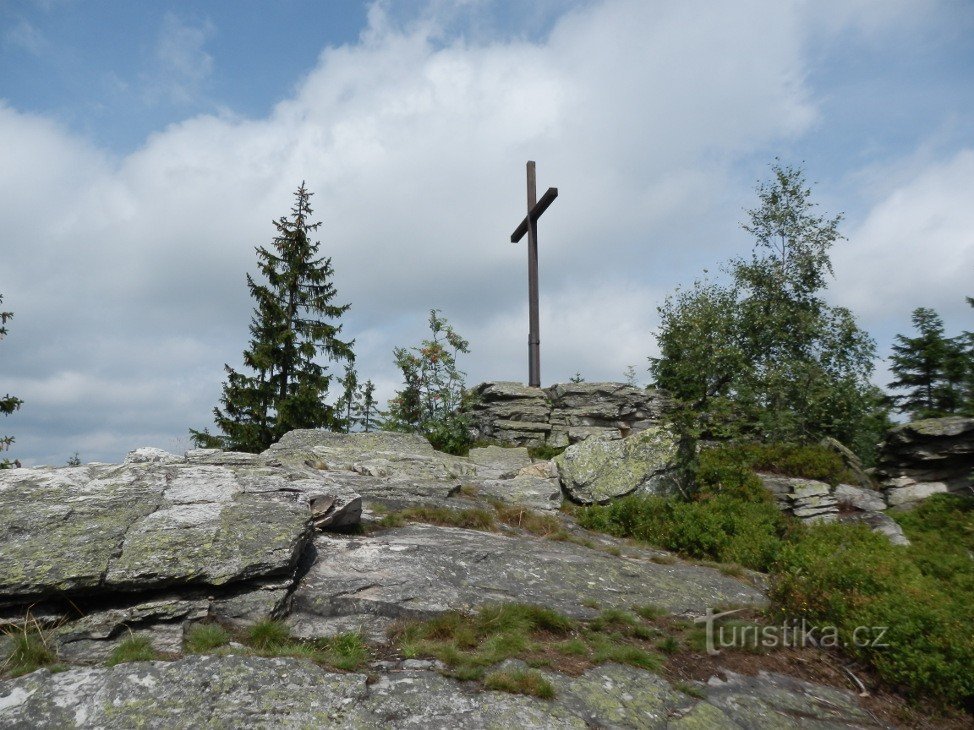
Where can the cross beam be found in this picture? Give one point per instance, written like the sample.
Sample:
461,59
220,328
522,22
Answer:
530,226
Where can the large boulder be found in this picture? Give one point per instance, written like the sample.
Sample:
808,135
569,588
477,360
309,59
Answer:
147,525
926,457
511,413
598,470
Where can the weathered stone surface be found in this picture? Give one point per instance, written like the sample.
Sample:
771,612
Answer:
776,701
496,462
904,496
423,570
255,692
852,462
869,500
144,525
934,450
526,491
597,470
878,522
564,413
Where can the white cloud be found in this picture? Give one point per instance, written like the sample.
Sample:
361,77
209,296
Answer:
183,64
127,275
915,248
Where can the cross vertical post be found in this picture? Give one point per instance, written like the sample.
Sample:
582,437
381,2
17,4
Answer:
530,226
534,324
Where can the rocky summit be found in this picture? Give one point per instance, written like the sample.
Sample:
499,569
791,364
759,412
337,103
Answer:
354,535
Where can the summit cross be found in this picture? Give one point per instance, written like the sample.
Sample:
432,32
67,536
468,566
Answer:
530,226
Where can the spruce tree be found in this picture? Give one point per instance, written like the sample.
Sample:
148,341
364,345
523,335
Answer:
920,365
366,407
8,403
293,324
346,405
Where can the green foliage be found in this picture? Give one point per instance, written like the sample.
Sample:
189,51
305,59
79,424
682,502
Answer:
766,358
544,452
433,400
366,409
721,528
30,651
292,325
345,408
203,638
132,649
267,635
577,378
472,519
520,681
849,577
74,459
935,371
730,469
8,403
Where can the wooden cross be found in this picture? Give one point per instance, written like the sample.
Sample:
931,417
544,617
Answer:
530,226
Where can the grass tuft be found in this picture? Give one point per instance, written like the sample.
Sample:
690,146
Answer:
30,652
523,682
132,649
205,637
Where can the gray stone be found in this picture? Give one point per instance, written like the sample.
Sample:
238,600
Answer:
868,500
933,450
596,471
144,525
901,496
771,700
525,491
255,692
497,462
878,522
424,570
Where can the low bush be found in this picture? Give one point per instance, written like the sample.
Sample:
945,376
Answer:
848,577
721,528
730,469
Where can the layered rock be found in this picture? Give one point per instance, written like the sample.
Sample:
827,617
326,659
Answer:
927,457
813,501
563,414
599,470
238,691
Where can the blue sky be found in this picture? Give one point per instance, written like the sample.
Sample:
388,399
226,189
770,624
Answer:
147,146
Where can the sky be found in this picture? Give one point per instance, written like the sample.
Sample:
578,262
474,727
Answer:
146,148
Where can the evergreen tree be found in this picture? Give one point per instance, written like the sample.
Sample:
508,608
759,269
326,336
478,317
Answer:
766,357
433,398
367,411
8,403
293,324
934,370
346,406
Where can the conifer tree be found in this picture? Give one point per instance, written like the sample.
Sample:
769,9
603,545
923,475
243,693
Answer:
368,413
294,323
934,370
8,403
346,405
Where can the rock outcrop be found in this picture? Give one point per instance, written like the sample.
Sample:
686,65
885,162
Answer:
598,470
927,457
813,501
94,554
563,414
232,691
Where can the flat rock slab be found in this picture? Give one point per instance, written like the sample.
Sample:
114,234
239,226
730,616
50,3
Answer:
425,570
253,692
146,525
498,462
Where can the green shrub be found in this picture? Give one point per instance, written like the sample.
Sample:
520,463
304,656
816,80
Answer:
731,462
941,530
132,649
721,528
544,452
848,577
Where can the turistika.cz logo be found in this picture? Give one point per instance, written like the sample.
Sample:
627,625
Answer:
792,633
